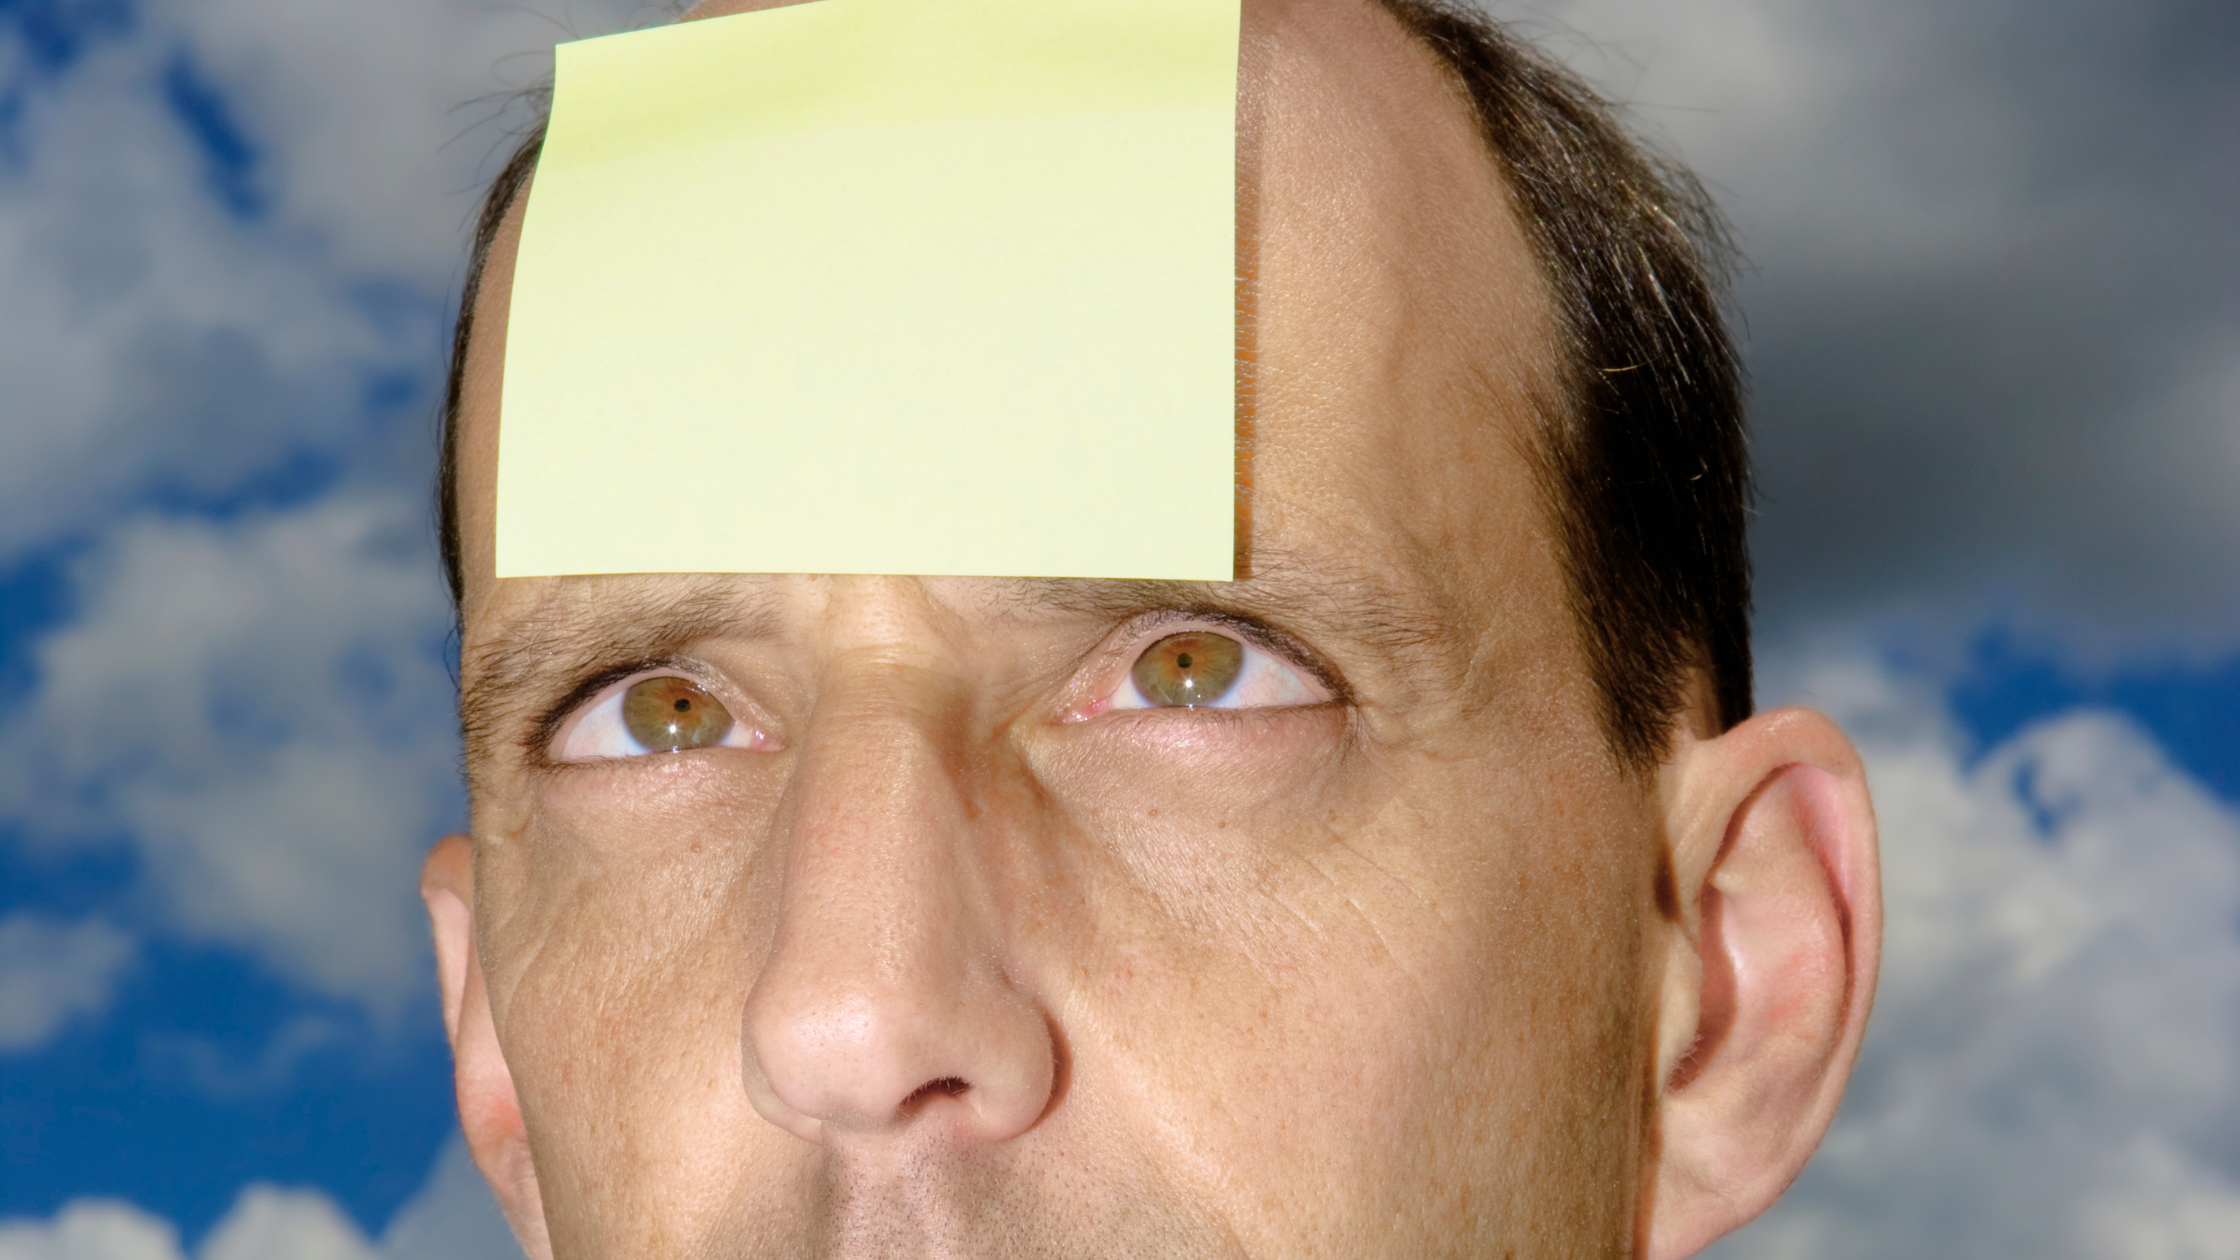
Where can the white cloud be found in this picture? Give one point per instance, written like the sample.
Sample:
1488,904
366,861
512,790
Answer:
156,339
262,708
91,1229
51,971
268,1223
2053,1069
150,338
377,115
451,1218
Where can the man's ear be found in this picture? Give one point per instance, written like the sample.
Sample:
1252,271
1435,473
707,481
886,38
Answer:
489,1109
1775,932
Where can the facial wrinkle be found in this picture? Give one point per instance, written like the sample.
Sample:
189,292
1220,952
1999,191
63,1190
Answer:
1368,916
579,626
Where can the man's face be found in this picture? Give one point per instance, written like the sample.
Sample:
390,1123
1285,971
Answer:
945,948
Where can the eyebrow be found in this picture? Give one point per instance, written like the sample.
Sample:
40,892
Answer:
592,631
1287,588
575,634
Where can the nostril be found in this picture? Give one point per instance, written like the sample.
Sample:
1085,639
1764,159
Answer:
947,1086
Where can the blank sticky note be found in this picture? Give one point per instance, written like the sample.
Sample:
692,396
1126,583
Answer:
882,286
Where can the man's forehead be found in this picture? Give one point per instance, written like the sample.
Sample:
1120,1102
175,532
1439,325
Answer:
1384,240
654,612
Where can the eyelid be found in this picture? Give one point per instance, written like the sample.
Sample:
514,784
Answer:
559,724
544,736
1148,629
1107,676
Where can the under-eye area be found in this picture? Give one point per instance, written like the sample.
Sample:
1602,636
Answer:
653,713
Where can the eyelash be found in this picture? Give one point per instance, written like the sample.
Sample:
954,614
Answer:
595,694
1263,649
600,719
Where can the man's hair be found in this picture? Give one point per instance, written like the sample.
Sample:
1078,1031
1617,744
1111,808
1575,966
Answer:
1644,467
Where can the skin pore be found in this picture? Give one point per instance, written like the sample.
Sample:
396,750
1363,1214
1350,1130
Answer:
959,938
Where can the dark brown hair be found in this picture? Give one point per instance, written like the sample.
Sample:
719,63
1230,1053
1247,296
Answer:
1644,466
512,178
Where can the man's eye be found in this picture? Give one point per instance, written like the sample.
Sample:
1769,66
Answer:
659,714
1208,669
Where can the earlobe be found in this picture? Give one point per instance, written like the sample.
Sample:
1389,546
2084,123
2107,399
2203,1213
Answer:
489,1108
1769,974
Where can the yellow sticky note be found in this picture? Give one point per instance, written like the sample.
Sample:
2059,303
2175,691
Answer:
882,286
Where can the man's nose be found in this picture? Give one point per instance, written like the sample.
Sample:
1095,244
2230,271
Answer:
885,1001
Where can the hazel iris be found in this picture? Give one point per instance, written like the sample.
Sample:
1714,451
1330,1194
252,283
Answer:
670,715
1191,668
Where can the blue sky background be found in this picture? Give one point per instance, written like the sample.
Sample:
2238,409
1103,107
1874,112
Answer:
1993,310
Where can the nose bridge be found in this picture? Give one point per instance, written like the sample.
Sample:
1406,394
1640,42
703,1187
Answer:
875,824
882,726
884,999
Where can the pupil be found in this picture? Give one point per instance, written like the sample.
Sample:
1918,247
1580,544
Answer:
684,706
1182,661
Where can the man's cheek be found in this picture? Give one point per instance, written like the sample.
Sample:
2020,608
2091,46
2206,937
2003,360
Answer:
1256,941
1251,1027
621,1018
615,923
